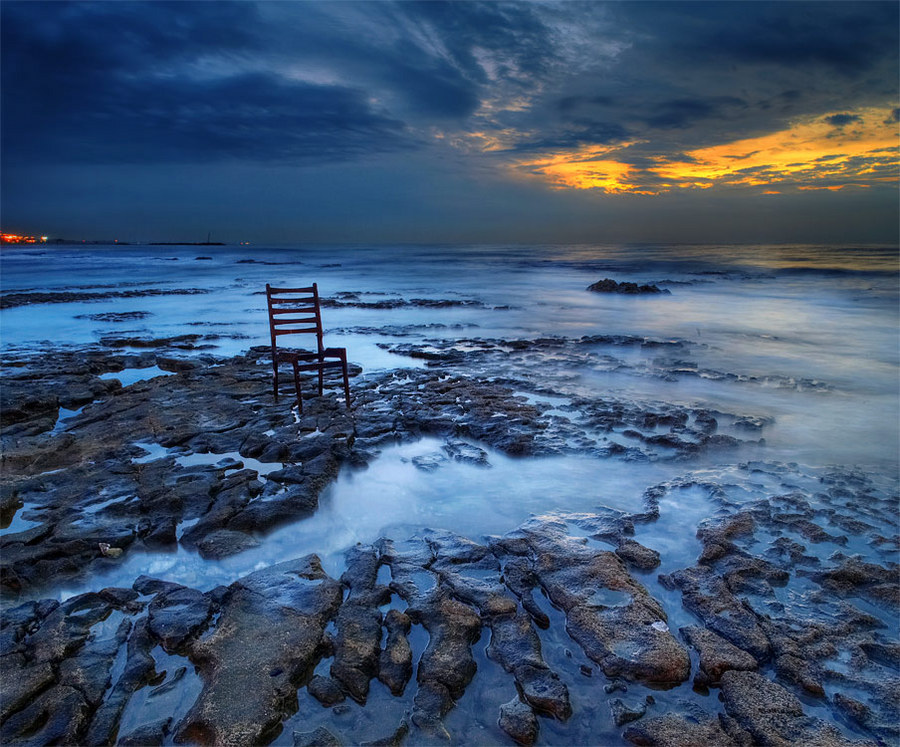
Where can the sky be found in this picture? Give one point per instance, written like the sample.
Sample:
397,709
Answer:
439,121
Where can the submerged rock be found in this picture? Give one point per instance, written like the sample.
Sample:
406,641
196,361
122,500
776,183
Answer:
321,737
623,713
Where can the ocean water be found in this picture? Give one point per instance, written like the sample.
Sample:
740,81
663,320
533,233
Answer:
815,328
801,339
805,337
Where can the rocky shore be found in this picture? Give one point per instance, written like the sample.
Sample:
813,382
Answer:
567,620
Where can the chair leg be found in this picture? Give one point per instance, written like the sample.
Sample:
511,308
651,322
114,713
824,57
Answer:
346,382
321,381
297,387
275,377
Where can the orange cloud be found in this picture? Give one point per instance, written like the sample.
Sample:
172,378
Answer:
811,154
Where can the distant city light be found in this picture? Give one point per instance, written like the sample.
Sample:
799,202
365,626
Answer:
15,238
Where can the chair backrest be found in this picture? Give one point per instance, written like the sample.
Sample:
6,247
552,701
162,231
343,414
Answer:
294,311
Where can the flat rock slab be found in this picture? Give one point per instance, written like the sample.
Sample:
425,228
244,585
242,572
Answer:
284,609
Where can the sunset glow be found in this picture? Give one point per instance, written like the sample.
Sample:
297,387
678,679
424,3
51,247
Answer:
811,155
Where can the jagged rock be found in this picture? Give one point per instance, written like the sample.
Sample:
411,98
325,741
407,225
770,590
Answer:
221,543
607,612
543,690
88,671
473,574
460,451
855,576
206,406
326,690
717,655
706,595
886,728
175,614
608,285
519,721
447,666
20,690
771,715
637,556
395,662
798,671
246,687
321,737
57,716
358,642
622,713
673,730
65,629
139,667
429,462
147,735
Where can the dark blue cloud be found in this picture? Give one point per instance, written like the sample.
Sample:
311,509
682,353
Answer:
570,104
117,89
432,86
841,120
196,81
581,134
846,37
687,111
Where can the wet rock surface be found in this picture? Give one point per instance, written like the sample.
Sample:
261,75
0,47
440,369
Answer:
247,687
76,666
525,360
770,600
120,473
608,285
790,598
519,721
11,300
673,730
717,655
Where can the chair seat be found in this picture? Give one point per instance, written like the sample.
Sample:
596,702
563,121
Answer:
289,356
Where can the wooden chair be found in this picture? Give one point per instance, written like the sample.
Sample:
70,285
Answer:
296,311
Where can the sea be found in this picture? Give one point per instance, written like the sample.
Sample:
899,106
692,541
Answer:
801,340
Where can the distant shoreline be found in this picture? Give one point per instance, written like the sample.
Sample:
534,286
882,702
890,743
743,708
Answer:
102,242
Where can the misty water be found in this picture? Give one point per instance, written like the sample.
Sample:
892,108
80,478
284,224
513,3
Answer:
801,339
814,328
